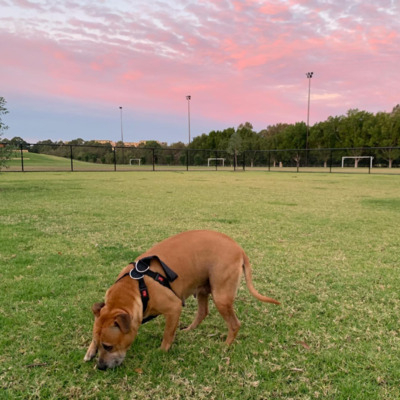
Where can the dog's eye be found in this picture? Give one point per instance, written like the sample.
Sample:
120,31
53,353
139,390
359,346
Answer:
107,348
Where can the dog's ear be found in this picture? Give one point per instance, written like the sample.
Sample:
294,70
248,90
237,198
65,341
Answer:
96,308
123,321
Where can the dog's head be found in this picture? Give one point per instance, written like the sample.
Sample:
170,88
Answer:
114,331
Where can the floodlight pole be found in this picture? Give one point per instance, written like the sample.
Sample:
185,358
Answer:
309,76
188,100
122,132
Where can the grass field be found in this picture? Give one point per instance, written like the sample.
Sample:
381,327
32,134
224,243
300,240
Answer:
326,246
44,162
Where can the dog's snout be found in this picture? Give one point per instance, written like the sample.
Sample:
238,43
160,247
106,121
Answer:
101,365
110,362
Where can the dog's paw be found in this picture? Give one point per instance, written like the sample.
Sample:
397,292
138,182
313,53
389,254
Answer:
88,357
90,354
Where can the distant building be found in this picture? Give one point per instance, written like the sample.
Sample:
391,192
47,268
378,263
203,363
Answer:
105,142
129,144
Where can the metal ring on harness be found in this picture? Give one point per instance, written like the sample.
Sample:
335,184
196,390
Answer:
141,271
135,274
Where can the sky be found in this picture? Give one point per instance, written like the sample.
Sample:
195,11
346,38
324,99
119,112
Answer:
67,66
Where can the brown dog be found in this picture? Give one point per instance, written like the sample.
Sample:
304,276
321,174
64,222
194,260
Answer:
206,263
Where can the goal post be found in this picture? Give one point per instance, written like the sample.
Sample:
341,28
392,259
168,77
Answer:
135,161
216,159
358,158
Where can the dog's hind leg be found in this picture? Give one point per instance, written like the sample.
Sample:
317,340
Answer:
225,308
202,311
224,284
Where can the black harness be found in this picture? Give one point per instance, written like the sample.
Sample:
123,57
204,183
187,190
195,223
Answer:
141,268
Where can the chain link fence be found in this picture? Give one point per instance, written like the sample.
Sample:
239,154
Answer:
64,157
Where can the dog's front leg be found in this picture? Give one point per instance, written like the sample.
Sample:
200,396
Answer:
171,325
91,351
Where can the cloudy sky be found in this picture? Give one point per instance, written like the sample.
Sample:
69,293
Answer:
68,65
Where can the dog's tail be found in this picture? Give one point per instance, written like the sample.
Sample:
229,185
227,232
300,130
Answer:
249,282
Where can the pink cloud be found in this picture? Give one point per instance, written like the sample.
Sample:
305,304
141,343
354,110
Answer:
273,9
26,4
239,60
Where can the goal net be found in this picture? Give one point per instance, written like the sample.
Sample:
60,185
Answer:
216,160
134,161
357,160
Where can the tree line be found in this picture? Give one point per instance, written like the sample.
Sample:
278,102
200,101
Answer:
354,130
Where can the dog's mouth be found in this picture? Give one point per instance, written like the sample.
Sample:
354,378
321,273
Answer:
103,364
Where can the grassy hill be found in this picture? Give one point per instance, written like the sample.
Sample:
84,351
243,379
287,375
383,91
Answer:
40,162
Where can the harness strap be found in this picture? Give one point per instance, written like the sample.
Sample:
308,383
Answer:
144,294
141,268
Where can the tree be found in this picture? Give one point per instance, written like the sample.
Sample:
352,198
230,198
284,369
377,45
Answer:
386,133
178,145
18,142
5,151
199,142
151,144
251,141
272,137
38,146
215,140
177,153
354,132
324,135
235,145
294,137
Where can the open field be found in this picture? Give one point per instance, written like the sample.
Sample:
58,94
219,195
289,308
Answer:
326,246
45,162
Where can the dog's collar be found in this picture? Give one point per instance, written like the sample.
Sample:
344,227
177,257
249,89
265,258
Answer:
142,268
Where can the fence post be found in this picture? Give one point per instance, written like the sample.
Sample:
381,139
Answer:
269,161
187,159
115,159
330,162
22,158
154,159
72,162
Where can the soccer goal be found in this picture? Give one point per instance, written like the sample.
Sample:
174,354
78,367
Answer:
222,160
134,161
357,159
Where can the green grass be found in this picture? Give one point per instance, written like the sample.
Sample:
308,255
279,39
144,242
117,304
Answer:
326,246
45,162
